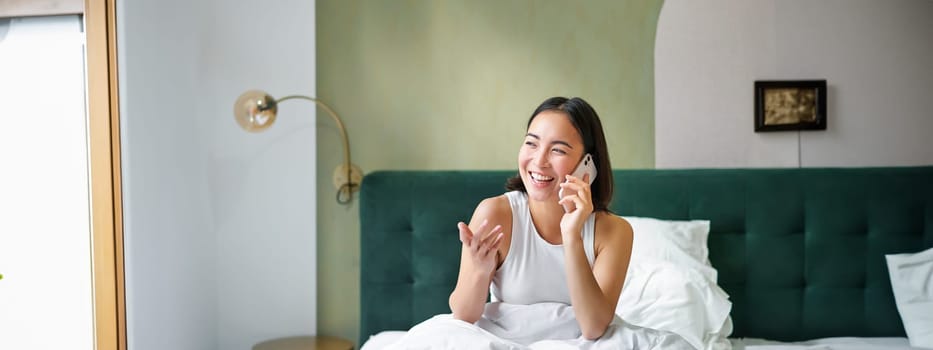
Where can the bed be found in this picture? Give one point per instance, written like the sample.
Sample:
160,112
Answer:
800,252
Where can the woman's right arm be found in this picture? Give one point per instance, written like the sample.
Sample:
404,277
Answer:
478,259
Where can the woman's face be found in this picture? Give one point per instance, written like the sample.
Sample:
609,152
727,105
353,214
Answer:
551,150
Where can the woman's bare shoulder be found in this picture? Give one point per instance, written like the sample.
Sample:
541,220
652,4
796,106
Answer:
613,228
494,208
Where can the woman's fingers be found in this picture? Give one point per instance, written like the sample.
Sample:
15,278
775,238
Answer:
481,242
482,226
575,200
476,239
491,234
495,242
491,245
466,236
479,234
575,184
565,201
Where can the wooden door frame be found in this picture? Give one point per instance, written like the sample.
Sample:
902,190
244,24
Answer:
105,179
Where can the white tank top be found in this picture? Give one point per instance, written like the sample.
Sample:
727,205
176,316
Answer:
533,270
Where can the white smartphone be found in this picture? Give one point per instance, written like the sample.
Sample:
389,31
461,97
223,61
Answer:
586,166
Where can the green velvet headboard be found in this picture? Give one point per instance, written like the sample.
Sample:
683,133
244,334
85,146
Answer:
800,251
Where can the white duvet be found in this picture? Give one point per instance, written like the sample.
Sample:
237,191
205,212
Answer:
518,327
383,339
839,343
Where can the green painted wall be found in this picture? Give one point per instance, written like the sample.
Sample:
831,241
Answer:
436,84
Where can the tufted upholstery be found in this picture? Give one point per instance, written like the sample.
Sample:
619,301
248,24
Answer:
800,251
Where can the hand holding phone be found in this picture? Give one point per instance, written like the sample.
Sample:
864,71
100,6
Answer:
586,166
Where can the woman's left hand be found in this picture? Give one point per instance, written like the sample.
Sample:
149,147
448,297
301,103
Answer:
577,206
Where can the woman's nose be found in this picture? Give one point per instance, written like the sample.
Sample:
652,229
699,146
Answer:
541,160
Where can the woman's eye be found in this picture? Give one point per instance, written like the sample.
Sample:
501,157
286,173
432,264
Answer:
559,151
529,143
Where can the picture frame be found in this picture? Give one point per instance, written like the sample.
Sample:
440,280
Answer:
782,105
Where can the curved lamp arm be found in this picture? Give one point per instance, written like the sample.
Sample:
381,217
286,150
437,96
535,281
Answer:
349,186
256,110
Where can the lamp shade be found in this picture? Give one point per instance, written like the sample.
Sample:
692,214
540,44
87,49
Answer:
255,110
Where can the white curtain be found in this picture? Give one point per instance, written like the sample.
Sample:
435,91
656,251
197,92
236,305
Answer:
45,293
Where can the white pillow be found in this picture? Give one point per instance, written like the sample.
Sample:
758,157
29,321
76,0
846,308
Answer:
912,283
681,242
671,285
689,236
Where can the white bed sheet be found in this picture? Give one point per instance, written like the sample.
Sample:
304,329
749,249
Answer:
383,339
514,330
841,343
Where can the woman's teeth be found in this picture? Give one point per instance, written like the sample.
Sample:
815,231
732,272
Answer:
540,178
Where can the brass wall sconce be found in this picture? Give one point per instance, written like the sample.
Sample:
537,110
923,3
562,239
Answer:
255,111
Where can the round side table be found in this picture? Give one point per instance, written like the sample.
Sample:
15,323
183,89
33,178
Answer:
305,343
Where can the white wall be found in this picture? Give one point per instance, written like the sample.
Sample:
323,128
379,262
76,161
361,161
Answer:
262,185
875,56
169,244
219,223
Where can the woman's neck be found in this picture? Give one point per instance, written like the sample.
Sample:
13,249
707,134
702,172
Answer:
546,215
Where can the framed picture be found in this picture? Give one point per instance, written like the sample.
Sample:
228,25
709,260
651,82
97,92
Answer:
790,105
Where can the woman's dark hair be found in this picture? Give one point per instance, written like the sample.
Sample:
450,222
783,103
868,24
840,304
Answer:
586,121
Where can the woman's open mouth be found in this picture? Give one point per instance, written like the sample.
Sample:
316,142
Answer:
539,178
